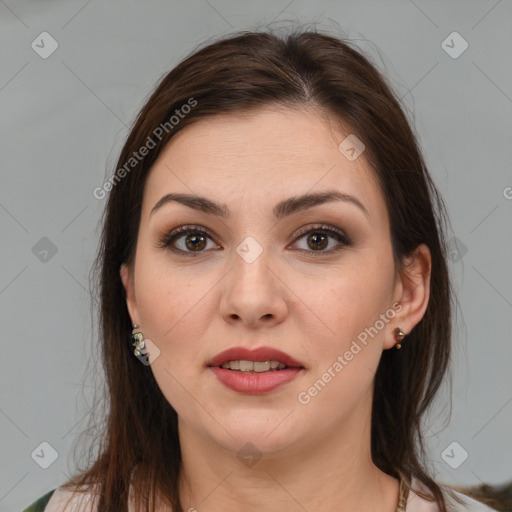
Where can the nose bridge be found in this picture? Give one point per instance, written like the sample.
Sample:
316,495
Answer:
253,292
252,260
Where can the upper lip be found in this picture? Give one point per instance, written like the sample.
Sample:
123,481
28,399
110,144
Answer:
257,354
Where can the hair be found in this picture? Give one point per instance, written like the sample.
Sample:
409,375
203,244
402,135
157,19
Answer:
239,73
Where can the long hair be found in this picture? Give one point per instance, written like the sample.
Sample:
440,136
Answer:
237,73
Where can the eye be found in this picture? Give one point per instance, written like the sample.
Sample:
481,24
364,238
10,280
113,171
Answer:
317,238
195,240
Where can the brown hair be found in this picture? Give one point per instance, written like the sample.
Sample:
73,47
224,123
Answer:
242,71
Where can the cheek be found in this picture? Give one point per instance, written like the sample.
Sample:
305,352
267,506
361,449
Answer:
344,319
345,353
175,313
344,306
171,317
167,299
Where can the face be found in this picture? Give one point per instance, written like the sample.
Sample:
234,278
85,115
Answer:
316,282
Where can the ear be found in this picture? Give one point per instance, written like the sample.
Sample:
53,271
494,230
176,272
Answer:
129,287
412,291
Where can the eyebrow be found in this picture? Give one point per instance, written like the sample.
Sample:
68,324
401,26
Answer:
282,209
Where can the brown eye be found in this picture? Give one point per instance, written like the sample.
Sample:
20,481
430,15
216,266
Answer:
193,240
317,239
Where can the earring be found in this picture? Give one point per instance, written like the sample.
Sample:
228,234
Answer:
399,336
136,341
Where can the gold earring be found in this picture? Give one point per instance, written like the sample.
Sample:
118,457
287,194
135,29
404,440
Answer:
399,336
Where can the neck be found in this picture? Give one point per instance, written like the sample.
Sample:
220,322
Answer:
331,473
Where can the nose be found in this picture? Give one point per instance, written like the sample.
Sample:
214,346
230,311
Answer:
253,293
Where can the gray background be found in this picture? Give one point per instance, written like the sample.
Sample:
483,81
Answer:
64,119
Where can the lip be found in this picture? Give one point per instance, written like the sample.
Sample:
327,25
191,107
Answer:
257,354
254,383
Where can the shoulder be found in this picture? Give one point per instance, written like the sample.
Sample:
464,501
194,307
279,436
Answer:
39,505
63,500
470,504
66,500
416,503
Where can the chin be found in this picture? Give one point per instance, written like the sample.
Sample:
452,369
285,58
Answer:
257,438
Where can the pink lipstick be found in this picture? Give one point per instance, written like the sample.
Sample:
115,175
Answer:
254,372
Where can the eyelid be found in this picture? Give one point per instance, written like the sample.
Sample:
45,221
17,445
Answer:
166,240
343,239
320,227
167,237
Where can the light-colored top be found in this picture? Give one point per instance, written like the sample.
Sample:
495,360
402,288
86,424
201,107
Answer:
414,503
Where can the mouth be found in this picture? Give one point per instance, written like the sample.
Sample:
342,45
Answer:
254,372
244,366
259,360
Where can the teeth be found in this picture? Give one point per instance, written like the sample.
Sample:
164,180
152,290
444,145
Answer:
261,366
234,365
254,366
246,366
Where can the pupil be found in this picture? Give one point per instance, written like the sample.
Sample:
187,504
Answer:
315,237
197,238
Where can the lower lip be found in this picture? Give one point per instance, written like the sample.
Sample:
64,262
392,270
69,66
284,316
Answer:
255,383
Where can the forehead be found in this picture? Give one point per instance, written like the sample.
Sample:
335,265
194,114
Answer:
262,156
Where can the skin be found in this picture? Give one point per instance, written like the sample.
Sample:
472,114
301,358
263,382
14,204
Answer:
314,456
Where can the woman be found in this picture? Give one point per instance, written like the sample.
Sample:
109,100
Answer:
272,238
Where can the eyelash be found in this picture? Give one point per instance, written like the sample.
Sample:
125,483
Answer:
167,239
